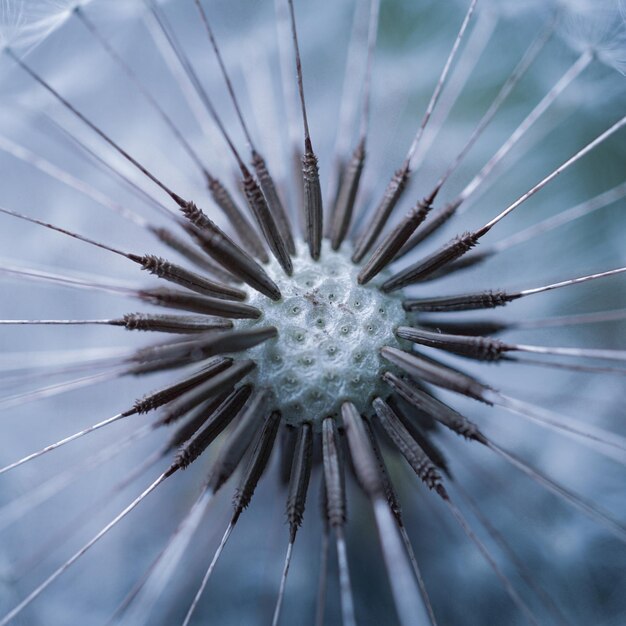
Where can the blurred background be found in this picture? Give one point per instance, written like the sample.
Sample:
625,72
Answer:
577,562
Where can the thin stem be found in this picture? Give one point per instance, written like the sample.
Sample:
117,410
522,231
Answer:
58,572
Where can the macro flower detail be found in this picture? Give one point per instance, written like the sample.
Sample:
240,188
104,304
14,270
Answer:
331,331
325,321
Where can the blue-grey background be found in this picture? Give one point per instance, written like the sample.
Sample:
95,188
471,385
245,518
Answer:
577,562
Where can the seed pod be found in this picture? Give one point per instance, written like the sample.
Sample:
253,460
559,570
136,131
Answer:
333,474
219,419
224,381
407,446
181,324
390,492
273,200
423,440
386,252
348,189
473,328
266,221
440,375
299,479
197,418
454,249
392,194
481,348
180,276
438,219
171,392
220,247
199,304
438,410
234,448
363,459
191,253
313,211
464,302
246,233
257,463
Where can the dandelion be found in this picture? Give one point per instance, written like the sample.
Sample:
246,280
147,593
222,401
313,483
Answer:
314,341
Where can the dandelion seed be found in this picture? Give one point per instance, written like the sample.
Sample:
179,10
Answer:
317,367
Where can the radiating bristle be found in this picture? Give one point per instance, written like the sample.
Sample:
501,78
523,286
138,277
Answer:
242,227
61,570
523,570
473,328
397,184
465,302
392,244
138,84
445,213
62,442
171,392
322,583
273,200
313,209
506,583
158,266
275,222
63,176
37,78
390,198
296,500
396,510
217,245
247,484
193,254
56,540
606,443
336,511
234,259
409,604
180,324
299,479
185,278
263,449
346,173
490,349
462,244
481,348
21,505
224,381
333,474
568,496
196,418
421,369
342,214
408,447
232,451
266,221
218,420
176,299
433,407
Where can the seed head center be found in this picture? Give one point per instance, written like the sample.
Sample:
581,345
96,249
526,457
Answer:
330,331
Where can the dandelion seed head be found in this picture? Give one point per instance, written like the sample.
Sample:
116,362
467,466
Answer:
513,9
330,335
27,24
599,26
321,352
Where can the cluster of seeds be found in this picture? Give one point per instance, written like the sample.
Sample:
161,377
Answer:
331,331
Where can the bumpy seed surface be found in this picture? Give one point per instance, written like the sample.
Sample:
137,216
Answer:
330,331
